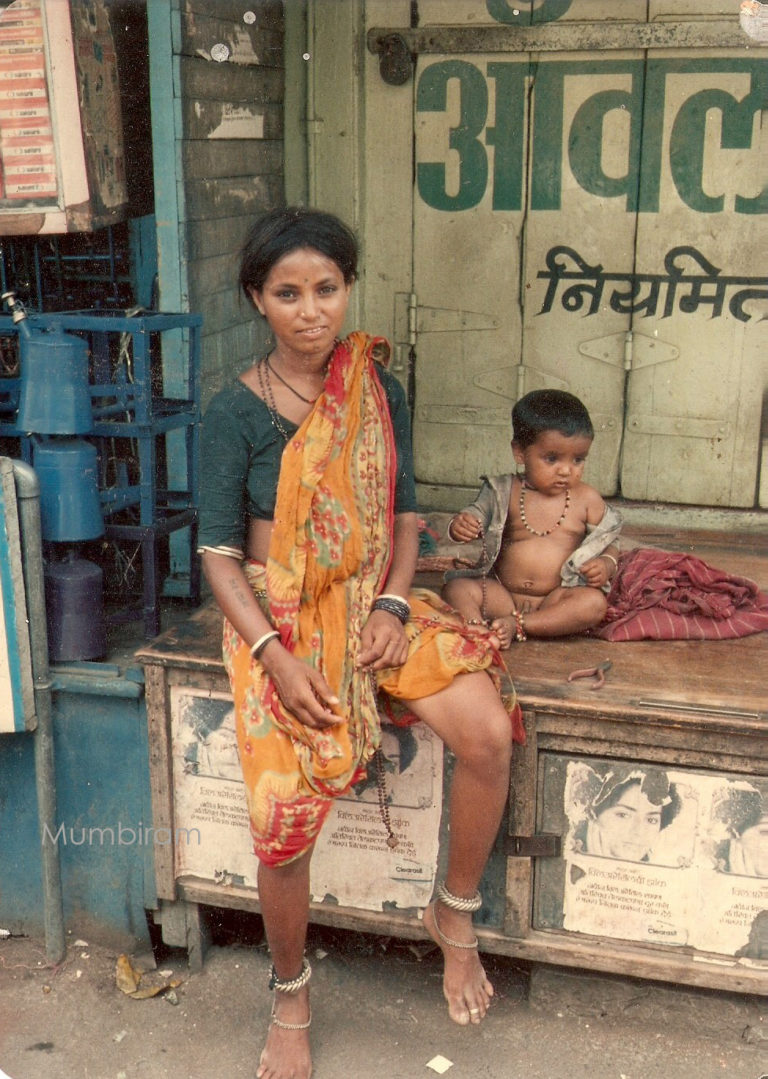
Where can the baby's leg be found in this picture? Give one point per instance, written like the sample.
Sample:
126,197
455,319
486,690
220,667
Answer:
465,595
565,611
481,600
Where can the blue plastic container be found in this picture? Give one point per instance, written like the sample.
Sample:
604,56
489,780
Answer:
70,508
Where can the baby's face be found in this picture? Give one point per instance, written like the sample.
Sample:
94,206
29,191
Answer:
554,462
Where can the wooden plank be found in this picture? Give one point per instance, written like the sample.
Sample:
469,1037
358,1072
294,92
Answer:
200,79
225,235
209,276
522,821
205,119
228,197
160,777
226,158
266,13
247,43
562,949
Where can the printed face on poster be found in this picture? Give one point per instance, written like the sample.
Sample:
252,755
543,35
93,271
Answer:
665,856
352,864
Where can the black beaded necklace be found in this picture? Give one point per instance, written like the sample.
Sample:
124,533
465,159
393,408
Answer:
288,386
268,397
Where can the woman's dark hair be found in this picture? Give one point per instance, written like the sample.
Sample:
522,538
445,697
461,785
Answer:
549,410
278,232
653,783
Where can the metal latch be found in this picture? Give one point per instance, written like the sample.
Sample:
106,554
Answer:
542,845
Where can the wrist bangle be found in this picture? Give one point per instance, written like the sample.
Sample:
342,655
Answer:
392,604
614,560
258,646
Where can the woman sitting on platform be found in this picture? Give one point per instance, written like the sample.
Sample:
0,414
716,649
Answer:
308,532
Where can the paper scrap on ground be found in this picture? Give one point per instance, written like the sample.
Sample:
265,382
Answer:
439,1064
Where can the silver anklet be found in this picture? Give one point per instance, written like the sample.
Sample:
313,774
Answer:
447,940
290,1026
455,902
292,985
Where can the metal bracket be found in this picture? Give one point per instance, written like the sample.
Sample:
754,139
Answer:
556,37
542,845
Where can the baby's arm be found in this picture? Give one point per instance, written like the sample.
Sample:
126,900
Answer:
598,571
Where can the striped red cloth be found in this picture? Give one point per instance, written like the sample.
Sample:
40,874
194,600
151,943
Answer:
663,596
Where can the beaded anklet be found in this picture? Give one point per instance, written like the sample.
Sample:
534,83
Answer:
520,634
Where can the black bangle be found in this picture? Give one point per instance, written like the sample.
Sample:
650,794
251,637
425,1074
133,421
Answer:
393,605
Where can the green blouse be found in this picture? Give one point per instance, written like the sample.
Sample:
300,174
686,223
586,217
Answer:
240,452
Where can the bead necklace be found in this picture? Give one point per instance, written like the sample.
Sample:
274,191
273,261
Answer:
288,386
557,523
268,397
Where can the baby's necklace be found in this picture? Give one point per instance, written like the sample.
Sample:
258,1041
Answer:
555,525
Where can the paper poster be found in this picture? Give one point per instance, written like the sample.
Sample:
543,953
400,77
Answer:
352,864
666,856
27,151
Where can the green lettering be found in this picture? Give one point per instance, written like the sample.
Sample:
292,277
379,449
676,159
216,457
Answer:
431,96
546,11
507,136
585,145
688,141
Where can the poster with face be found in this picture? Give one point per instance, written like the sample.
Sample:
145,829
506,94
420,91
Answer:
352,864
658,855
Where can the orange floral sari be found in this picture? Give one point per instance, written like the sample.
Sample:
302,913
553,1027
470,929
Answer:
329,556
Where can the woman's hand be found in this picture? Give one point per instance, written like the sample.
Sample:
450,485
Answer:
303,690
383,642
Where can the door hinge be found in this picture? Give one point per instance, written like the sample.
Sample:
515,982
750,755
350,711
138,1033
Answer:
541,845
630,350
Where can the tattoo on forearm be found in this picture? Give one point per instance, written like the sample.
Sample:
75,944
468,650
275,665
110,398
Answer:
237,592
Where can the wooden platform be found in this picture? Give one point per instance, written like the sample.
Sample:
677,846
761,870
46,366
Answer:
723,679
682,705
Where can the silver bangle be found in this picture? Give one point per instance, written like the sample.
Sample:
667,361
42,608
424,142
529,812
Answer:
292,985
457,902
258,646
614,560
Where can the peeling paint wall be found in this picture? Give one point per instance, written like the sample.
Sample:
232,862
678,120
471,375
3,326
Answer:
232,87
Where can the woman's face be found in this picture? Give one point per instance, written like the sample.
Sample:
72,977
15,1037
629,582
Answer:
754,840
304,300
629,827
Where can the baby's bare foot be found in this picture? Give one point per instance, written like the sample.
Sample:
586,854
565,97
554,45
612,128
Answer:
504,630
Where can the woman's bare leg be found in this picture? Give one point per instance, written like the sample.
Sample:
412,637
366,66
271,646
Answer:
472,722
284,900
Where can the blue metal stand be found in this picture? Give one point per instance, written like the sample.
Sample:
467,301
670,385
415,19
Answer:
136,403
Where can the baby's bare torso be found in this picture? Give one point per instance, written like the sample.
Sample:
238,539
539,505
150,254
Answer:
530,564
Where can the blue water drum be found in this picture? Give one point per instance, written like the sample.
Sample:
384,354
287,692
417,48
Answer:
74,607
55,397
70,508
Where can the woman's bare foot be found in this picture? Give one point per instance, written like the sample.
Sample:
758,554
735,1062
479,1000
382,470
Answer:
465,985
286,1052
